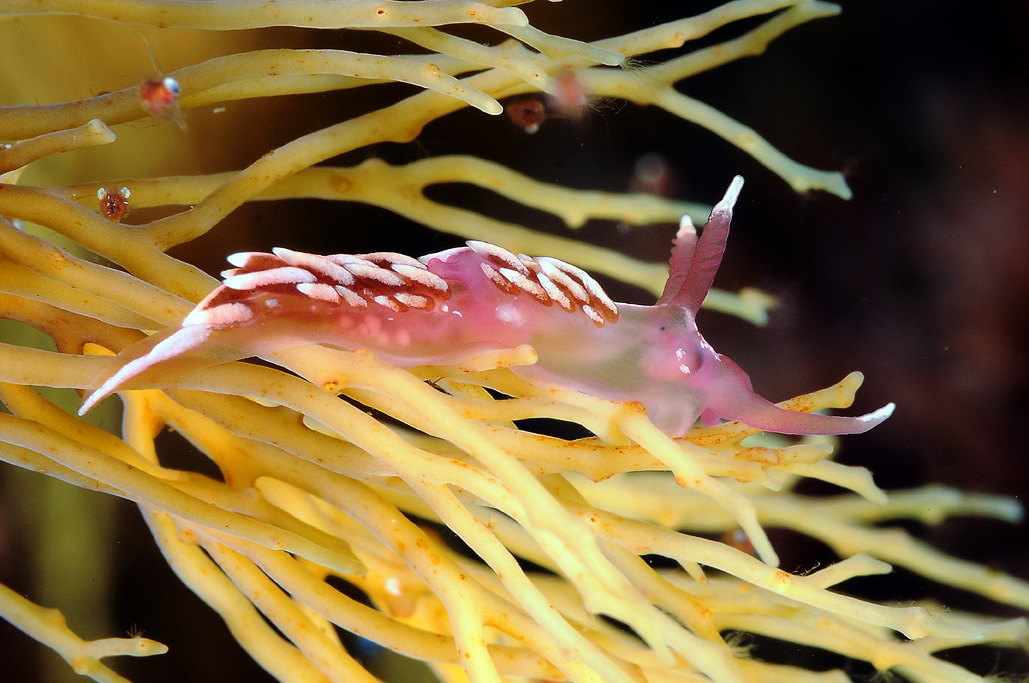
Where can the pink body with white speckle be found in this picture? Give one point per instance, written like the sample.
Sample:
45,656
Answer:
447,307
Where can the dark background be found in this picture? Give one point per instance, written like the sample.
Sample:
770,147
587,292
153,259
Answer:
919,281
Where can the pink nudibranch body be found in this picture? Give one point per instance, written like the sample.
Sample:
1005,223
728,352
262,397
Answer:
447,307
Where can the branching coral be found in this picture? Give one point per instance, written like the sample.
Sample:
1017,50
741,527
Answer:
315,490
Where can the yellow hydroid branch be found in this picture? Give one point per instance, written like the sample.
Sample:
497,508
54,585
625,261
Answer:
48,626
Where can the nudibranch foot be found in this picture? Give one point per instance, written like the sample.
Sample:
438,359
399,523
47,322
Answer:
446,308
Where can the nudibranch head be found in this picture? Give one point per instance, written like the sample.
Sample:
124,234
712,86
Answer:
680,354
657,356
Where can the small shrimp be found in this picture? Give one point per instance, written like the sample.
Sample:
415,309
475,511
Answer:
159,94
114,204
528,113
570,99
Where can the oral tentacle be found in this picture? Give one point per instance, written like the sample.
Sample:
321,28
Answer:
732,397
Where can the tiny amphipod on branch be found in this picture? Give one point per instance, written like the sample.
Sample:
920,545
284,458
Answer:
446,307
114,203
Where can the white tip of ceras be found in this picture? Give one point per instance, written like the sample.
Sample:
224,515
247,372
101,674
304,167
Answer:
286,275
686,225
219,316
240,258
731,195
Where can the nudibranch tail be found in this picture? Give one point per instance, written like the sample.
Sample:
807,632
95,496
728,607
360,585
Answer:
694,262
162,355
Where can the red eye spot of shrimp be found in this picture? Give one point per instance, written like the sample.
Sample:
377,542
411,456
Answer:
114,203
159,95
528,113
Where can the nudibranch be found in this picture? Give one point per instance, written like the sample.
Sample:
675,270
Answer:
447,307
